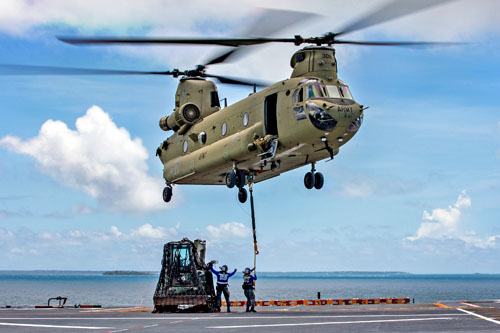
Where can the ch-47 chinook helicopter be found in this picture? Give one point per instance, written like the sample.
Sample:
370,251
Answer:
292,123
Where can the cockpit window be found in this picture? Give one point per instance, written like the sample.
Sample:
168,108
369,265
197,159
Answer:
316,90
339,92
333,91
344,91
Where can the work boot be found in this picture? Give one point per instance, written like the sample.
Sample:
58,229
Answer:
253,310
248,310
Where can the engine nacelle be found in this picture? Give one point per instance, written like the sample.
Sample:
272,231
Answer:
187,114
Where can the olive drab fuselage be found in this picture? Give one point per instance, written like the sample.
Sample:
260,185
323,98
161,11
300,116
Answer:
309,116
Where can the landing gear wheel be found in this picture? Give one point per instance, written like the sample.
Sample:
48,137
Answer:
230,179
167,193
240,179
242,195
319,180
309,180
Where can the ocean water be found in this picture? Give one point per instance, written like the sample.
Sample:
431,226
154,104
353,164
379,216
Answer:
35,288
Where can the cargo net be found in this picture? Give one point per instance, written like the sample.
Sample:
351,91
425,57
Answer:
185,282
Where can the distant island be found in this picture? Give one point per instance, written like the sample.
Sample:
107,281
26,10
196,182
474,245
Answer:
126,273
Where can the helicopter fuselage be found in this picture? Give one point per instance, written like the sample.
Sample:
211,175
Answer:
292,123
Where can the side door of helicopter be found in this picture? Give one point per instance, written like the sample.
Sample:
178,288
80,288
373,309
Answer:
271,114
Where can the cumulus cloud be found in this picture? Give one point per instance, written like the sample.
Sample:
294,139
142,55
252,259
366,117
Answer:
138,247
444,224
228,231
98,158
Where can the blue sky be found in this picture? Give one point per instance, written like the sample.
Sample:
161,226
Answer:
417,189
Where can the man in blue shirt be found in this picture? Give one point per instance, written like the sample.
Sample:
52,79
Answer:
248,288
222,285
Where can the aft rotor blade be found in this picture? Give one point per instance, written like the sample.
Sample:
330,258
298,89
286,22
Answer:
232,80
188,41
8,69
269,22
392,10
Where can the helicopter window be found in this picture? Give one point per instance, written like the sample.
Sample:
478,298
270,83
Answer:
202,137
316,90
214,99
333,91
245,119
300,57
344,91
300,96
299,112
320,118
185,146
224,129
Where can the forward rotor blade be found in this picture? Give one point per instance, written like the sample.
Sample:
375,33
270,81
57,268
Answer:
392,10
231,80
398,43
8,69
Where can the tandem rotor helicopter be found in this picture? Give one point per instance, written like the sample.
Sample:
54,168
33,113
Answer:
292,123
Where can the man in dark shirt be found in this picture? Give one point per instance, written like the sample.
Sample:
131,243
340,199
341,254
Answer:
222,285
248,288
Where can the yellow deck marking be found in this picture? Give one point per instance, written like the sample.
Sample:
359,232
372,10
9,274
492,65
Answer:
441,305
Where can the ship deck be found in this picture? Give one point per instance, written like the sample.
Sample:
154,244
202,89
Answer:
469,316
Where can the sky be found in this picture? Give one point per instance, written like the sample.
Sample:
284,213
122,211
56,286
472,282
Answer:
416,190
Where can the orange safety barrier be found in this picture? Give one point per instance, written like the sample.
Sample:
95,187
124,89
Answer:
316,302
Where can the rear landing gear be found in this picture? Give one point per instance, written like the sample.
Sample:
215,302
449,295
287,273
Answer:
314,179
242,195
167,193
238,178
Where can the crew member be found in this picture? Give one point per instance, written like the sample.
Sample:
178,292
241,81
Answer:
222,285
248,288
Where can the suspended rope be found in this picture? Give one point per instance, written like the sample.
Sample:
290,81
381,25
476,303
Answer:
256,250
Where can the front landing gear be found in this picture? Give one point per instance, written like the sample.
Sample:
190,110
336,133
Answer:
314,179
167,193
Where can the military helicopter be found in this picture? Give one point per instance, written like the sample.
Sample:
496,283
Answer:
295,122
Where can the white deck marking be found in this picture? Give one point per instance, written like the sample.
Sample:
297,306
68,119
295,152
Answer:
214,317
473,305
479,316
334,323
56,326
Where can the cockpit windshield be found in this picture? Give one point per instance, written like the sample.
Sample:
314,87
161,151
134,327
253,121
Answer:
341,91
316,90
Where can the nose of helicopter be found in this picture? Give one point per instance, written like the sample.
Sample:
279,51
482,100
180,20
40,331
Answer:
343,113
337,116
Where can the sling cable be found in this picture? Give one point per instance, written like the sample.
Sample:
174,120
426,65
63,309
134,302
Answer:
256,250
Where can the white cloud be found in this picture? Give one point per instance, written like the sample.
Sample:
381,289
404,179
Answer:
115,232
358,186
98,158
148,231
228,231
444,224
463,21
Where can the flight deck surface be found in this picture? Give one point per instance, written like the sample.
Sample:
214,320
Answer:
470,316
